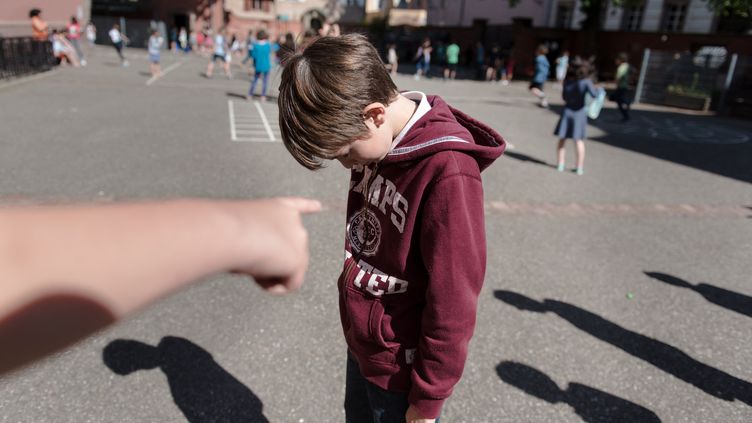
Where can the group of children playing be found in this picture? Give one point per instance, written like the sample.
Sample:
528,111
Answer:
575,78
66,44
259,53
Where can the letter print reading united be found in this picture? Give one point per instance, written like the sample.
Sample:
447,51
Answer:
364,232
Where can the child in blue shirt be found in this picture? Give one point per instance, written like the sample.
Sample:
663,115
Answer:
261,54
541,75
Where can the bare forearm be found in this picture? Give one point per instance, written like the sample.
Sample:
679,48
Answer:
119,256
70,270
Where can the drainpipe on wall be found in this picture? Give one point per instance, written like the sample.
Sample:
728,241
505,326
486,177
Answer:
549,6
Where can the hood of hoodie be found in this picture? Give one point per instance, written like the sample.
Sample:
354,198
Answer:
437,130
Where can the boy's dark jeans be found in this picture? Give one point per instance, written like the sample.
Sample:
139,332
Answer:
367,403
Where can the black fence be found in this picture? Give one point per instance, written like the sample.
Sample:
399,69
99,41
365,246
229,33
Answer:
738,96
709,79
681,79
24,55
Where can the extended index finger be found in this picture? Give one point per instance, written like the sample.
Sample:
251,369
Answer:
303,205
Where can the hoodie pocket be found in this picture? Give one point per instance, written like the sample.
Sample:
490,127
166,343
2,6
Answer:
362,315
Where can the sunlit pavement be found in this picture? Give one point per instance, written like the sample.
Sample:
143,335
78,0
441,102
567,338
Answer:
620,295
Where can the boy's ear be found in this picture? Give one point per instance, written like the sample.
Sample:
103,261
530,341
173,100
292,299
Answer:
376,112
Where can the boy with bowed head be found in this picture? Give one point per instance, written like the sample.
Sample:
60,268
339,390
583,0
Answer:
415,250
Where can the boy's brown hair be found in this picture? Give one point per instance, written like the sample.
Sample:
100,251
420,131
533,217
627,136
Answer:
323,92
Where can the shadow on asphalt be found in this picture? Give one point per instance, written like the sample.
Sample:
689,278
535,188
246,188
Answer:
525,158
591,404
201,388
731,300
661,355
718,145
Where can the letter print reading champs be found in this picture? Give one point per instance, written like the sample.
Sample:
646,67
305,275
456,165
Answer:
364,227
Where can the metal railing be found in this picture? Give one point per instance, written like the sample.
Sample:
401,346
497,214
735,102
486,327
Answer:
719,82
24,55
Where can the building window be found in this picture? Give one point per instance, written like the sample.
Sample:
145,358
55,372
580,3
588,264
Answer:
674,15
256,5
632,18
564,13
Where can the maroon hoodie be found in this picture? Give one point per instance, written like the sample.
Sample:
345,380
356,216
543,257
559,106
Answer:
415,256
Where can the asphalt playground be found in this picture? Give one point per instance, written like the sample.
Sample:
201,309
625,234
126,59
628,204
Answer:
623,295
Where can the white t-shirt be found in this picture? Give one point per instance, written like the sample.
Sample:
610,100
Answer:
155,44
57,46
115,35
420,111
219,45
91,33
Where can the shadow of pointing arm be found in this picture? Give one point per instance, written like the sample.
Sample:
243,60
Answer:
46,325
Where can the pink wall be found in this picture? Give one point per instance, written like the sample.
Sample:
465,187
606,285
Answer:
14,14
497,12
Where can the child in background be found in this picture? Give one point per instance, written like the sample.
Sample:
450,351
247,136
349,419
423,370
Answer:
39,28
391,57
91,33
621,95
155,50
562,63
74,36
62,50
423,58
118,41
453,60
249,48
541,75
262,51
494,63
509,65
220,53
415,249
573,120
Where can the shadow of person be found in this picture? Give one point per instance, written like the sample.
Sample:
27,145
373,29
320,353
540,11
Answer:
591,404
200,387
525,158
731,300
661,355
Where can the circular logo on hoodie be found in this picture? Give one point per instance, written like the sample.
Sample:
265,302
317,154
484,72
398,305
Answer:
364,232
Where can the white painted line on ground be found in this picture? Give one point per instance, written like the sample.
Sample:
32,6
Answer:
167,70
231,108
262,139
266,122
